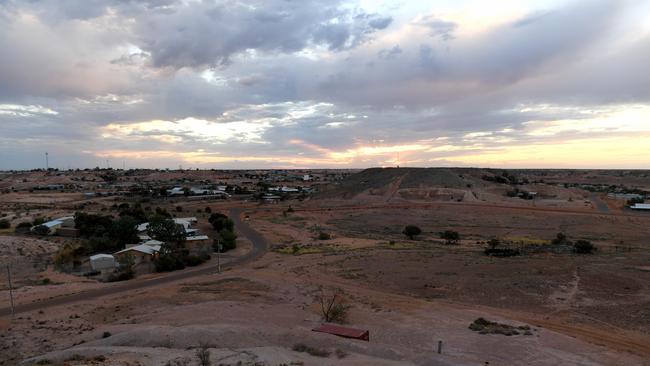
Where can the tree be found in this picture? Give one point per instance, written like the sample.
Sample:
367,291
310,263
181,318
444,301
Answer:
92,225
124,230
493,243
167,231
220,222
228,239
411,231
583,247
203,355
333,307
41,230
451,237
561,239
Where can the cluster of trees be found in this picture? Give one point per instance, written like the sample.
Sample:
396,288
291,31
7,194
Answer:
450,236
579,246
505,178
106,234
225,228
173,255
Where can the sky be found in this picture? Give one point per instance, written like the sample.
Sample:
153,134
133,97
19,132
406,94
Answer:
324,84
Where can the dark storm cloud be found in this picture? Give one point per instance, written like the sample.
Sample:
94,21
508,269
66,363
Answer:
208,33
326,74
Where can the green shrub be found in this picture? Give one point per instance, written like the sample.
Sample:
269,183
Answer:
195,260
38,221
450,236
584,247
300,347
24,225
324,236
228,239
41,230
5,224
411,231
168,262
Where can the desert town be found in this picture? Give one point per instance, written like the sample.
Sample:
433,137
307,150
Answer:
438,266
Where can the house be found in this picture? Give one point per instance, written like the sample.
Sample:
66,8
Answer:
153,243
102,262
55,225
641,206
176,191
198,244
140,253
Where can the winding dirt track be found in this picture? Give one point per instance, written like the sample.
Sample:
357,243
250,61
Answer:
259,247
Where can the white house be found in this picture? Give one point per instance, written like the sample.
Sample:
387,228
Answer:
100,262
175,191
54,225
140,253
640,206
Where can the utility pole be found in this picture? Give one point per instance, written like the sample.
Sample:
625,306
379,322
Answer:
218,256
11,291
47,162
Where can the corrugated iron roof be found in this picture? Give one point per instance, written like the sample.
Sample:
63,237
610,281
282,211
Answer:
344,331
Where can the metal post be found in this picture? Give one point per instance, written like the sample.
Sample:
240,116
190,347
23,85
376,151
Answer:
439,346
11,291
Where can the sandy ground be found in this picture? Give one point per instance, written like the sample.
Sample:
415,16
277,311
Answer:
258,314
583,310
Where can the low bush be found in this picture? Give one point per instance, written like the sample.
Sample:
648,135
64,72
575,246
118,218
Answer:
324,236
584,247
502,252
411,231
300,347
450,236
24,225
168,262
484,326
122,276
5,224
41,230
195,260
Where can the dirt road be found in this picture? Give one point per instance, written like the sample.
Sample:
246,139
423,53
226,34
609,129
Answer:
259,247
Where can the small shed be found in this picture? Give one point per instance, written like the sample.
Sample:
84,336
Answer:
344,332
100,262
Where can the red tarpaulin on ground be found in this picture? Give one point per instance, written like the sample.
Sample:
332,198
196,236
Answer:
344,332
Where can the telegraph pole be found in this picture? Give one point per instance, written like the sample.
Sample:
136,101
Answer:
11,291
218,256
47,162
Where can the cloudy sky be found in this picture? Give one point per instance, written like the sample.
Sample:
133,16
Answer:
329,83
